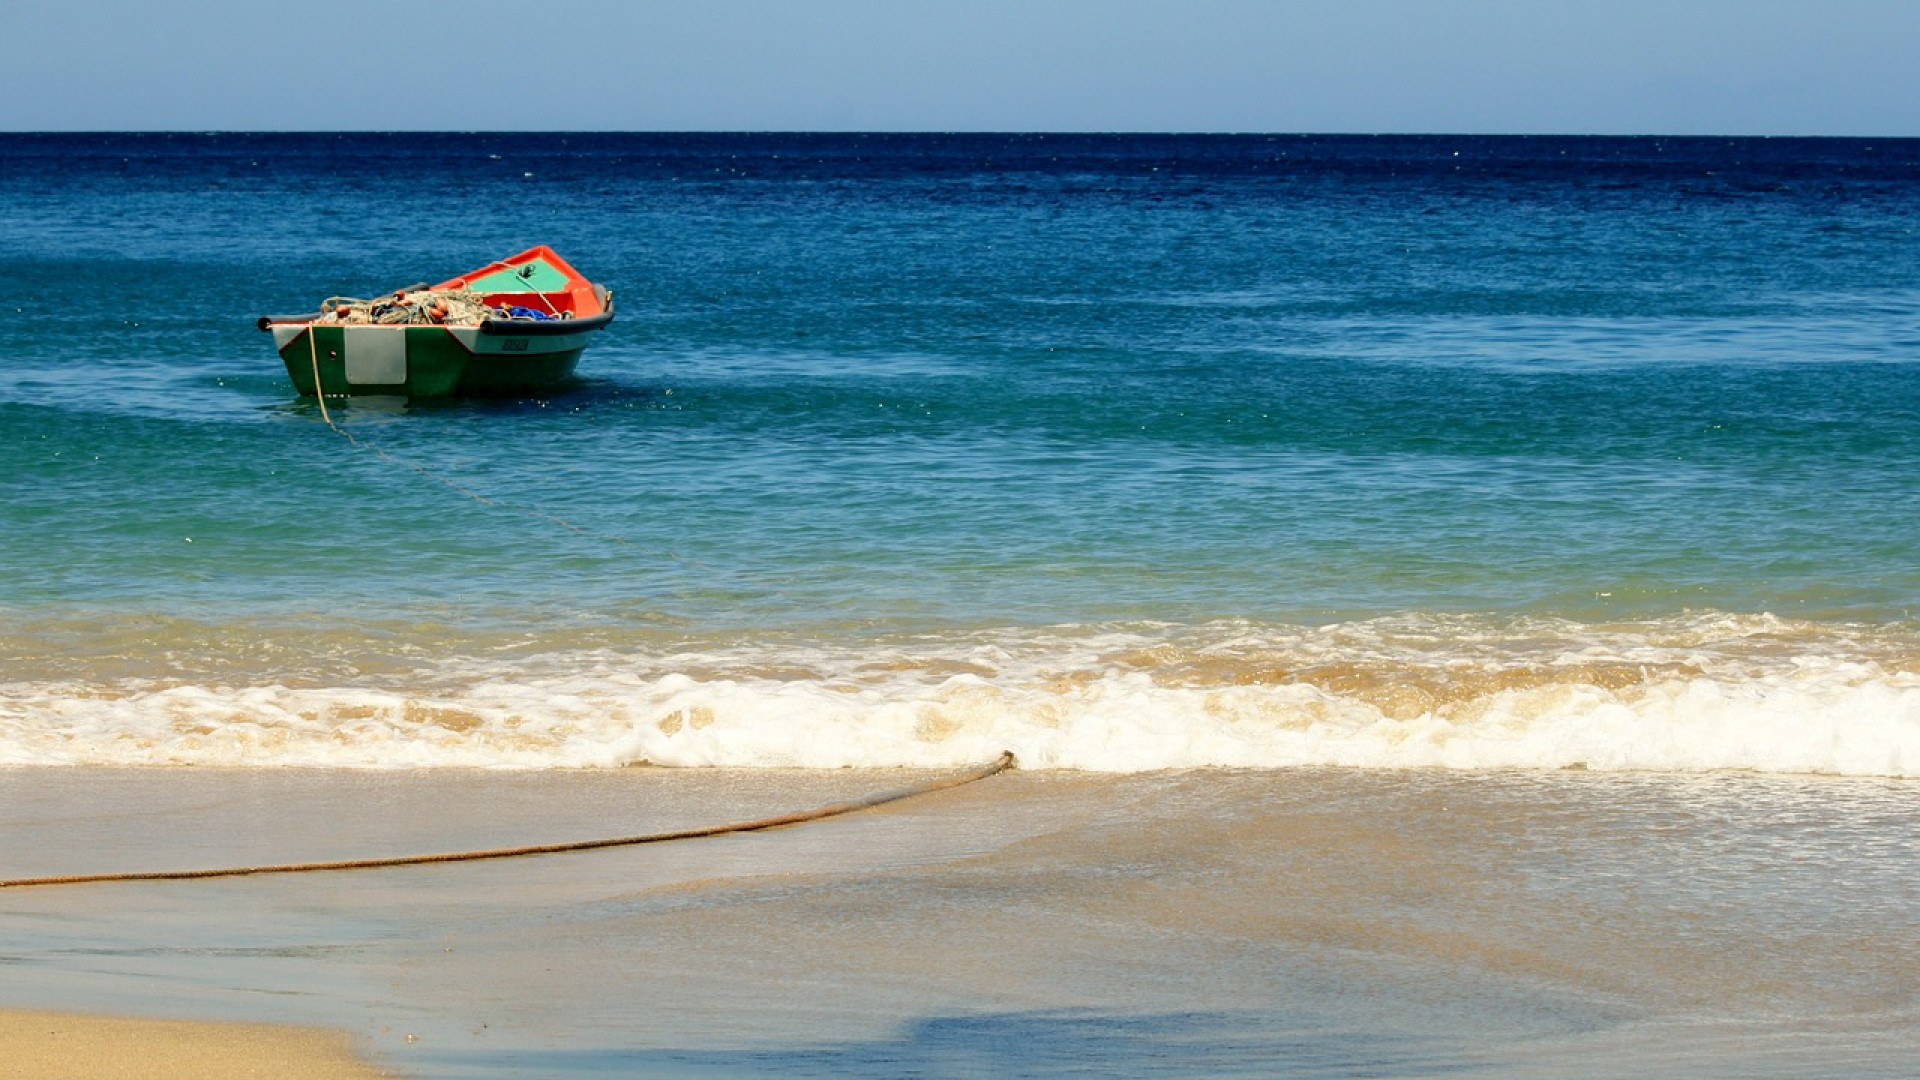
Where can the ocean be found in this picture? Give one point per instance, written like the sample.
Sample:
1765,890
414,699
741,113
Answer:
1523,526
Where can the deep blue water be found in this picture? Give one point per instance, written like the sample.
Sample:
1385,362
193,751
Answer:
870,386
1522,480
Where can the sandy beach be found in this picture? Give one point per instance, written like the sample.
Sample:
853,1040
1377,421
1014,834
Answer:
69,1046
1454,600
1302,923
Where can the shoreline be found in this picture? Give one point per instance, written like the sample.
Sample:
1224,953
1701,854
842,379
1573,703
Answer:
80,1046
1237,922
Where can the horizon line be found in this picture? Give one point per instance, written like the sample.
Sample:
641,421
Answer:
952,132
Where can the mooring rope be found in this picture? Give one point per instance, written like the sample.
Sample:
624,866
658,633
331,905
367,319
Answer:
999,765
320,395
320,392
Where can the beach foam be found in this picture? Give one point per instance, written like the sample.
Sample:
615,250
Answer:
1692,693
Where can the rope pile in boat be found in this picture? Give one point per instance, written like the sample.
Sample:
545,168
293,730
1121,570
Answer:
423,307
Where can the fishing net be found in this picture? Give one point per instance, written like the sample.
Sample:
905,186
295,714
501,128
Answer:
422,307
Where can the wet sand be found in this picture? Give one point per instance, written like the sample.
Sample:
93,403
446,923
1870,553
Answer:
69,1046
1275,924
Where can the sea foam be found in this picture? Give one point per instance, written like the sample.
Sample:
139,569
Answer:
1694,693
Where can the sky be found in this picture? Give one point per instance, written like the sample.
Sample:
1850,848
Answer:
1706,67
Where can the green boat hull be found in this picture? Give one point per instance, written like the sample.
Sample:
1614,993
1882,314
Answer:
426,361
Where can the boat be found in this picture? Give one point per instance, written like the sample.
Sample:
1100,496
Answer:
512,326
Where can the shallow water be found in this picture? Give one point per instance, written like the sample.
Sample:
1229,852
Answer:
1454,599
1008,409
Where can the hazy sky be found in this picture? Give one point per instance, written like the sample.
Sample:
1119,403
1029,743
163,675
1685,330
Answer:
1760,67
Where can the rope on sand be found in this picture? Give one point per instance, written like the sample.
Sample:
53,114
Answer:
999,765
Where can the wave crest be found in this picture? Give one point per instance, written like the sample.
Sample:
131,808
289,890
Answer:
1691,693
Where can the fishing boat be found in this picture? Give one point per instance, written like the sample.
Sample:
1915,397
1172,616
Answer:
511,326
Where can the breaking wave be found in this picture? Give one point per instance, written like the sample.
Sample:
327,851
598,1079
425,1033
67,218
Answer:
1689,693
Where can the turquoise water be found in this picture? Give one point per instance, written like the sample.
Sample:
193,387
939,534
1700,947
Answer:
905,447
1452,600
